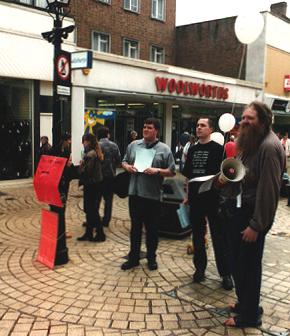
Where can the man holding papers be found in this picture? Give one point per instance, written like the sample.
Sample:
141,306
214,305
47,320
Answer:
204,159
148,161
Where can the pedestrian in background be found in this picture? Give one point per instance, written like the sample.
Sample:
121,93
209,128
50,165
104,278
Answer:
204,158
112,160
144,192
91,177
45,146
249,221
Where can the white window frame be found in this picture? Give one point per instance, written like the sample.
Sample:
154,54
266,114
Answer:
156,52
108,2
131,48
157,5
130,6
100,34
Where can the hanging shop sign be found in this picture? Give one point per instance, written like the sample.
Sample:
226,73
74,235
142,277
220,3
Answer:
82,60
185,88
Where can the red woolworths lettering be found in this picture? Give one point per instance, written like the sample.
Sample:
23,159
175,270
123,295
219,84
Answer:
161,83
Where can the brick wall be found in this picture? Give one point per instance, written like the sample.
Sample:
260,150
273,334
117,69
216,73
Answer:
210,46
92,15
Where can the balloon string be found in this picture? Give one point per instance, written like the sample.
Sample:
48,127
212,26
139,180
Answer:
239,74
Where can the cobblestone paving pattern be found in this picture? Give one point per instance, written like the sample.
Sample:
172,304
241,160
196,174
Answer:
91,296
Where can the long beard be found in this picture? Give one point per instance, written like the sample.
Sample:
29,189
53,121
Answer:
250,138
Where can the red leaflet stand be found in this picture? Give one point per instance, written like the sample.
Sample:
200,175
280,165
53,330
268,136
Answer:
48,238
46,181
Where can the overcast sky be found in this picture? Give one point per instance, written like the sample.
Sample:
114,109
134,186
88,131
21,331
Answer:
189,11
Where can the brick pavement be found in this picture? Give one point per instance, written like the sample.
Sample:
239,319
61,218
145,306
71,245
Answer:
92,296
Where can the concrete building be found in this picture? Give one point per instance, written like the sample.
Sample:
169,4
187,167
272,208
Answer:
212,46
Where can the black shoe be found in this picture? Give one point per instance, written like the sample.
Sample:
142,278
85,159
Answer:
85,237
152,265
227,282
84,224
100,238
236,309
105,224
129,264
198,276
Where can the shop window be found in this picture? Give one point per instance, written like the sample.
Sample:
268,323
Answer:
15,129
130,48
158,9
157,54
132,5
101,42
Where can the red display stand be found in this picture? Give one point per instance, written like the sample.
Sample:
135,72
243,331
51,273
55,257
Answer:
52,246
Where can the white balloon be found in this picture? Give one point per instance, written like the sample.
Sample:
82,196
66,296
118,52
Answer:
217,137
248,27
227,122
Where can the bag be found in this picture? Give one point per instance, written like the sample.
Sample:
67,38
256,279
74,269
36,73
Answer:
121,184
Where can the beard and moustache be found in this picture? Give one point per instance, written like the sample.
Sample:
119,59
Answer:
249,139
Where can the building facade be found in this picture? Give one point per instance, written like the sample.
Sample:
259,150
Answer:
213,47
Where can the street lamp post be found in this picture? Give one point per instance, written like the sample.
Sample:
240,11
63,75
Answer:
58,9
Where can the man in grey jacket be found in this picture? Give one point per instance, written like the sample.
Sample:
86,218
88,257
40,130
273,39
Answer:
260,151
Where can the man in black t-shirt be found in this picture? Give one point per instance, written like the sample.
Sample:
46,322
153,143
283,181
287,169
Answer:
204,159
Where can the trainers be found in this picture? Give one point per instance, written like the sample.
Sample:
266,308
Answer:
198,276
152,265
227,282
129,264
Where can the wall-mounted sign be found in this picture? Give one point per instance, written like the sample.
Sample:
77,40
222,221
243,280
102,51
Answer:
82,60
287,83
185,88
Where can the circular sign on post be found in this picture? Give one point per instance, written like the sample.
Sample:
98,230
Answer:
63,67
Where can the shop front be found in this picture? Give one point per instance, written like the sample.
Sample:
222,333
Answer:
121,93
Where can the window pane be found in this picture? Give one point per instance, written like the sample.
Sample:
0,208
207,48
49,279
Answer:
100,42
41,3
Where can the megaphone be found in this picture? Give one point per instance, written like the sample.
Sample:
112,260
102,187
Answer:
232,170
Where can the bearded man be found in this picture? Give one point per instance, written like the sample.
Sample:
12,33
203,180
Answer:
261,152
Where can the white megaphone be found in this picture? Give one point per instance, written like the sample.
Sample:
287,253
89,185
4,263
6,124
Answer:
232,170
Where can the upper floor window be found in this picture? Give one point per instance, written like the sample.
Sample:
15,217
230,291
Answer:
36,3
101,42
158,9
106,1
130,48
132,5
157,54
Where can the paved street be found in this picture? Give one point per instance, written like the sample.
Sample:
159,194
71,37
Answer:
91,295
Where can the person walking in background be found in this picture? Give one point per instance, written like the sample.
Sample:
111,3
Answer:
145,189
183,140
204,158
190,143
133,136
285,141
249,221
230,147
91,177
45,146
112,159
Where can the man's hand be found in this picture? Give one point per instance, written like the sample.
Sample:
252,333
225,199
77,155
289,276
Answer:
249,235
185,201
130,168
151,171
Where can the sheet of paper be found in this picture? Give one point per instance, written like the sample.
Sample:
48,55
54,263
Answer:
201,178
144,158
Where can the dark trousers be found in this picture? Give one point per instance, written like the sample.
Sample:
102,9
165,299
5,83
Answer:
201,206
91,195
143,211
106,192
246,264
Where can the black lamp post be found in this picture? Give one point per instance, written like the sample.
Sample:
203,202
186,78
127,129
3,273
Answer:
58,9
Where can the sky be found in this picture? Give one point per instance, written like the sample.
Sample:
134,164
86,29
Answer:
190,11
